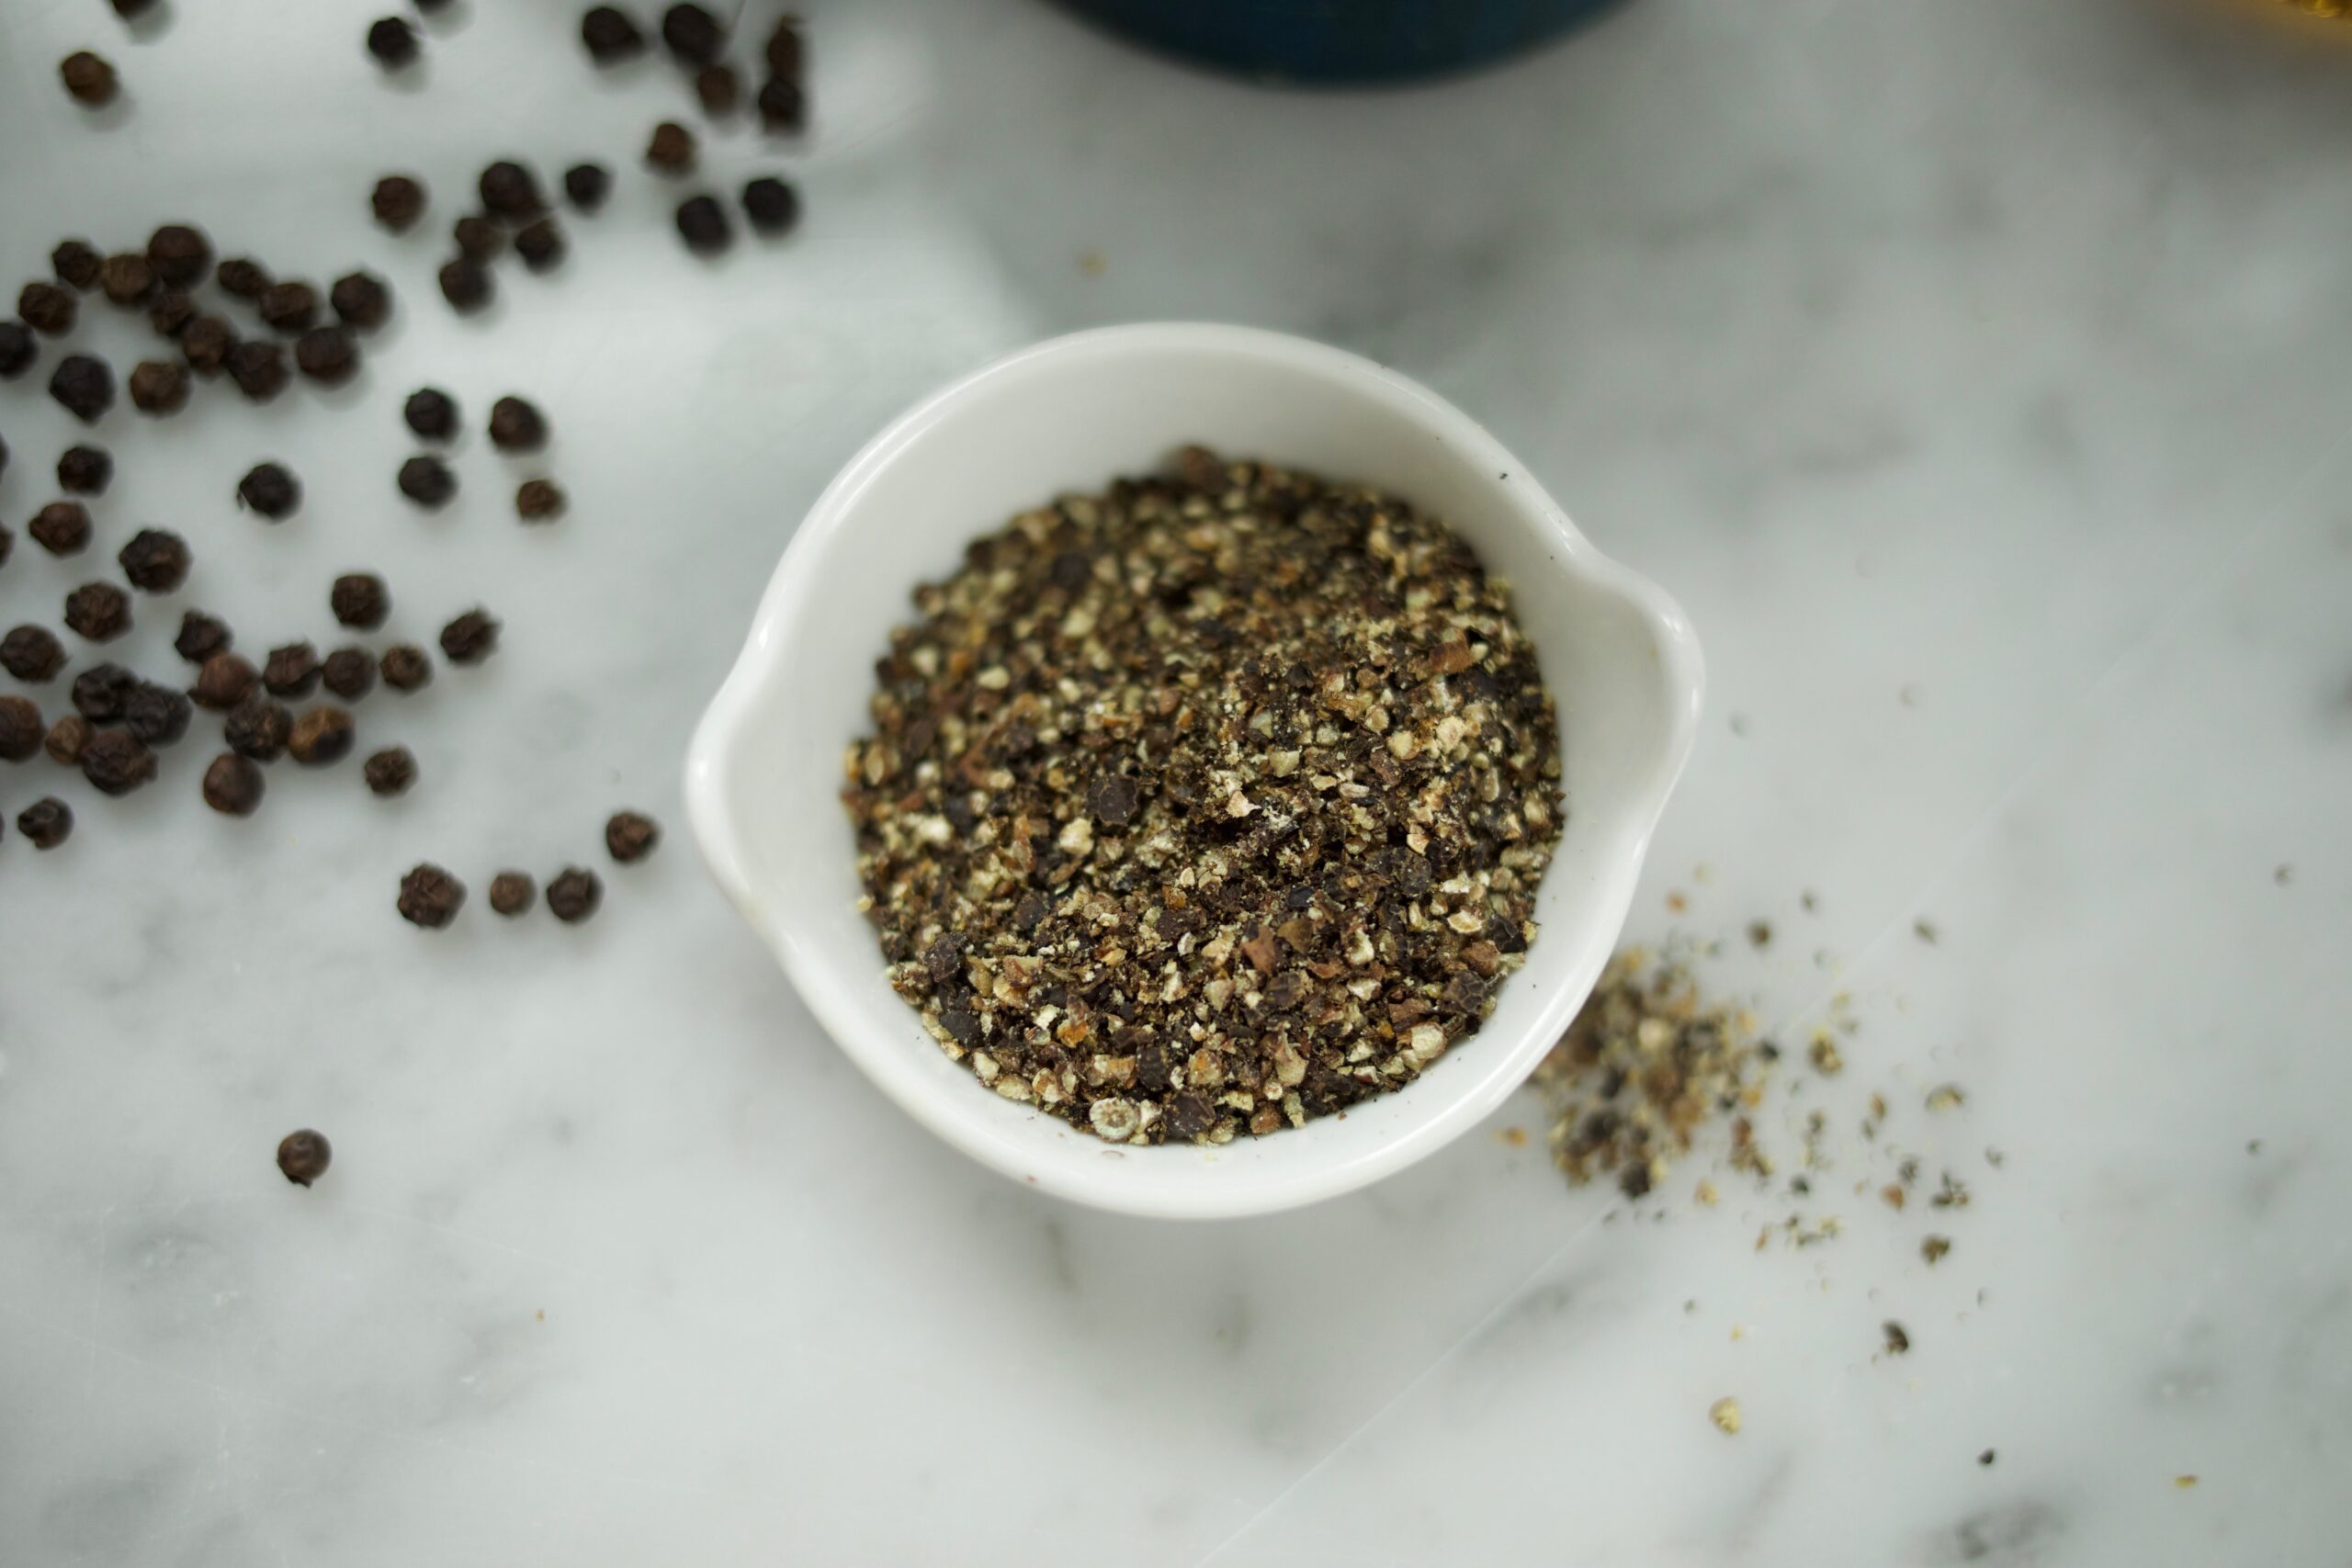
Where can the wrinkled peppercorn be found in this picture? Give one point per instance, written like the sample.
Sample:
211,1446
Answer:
76,264
773,206
21,728
631,836
117,761
389,771
361,599
98,611
510,191
784,107
512,892
225,679
85,470
158,387
62,527
321,735
171,312
100,691
83,386
327,354
427,481
157,715
540,244
290,307
233,785
89,80
258,369
179,252
465,283
302,1157
46,823
702,224
432,413
784,52
392,41
155,560
127,279
405,668
573,895
538,501
205,344
430,897
32,654
719,89
397,201
259,727
691,34
290,670
66,739
587,184
516,427
243,277
671,150
17,349
361,300
609,34
201,636
349,673
48,307
470,638
478,237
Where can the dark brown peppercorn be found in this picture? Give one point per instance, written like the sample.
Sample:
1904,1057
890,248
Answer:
66,740
320,737
290,307
32,654
538,501
7,543
327,354
259,727
76,264
48,307
405,668
241,276
155,560
85,470
233,785
17,349
157,715
62,527
540,244
171,312
465,283
201,636
509,191
179,252
609,34
100,691
361,599
587,184
430,897
469,639
512,892
671,150
432,413
784,107
117,761
270,490
720,90
226,679
46,823
702,224
131,10
784,50
127,279
205,343
691,34
516,427
258,369
573,895
631,836
290,670
773,206
1190,1116
83,386
349,673
158,387
302,1158
478,237
89,80
389,771
397,201
427,481
392,41
21,728
361,300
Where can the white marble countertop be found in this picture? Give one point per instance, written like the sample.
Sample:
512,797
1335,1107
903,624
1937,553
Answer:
1977,376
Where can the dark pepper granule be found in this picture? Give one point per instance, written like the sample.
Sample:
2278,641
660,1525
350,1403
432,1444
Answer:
671,148
158,387
327,354
361,300
83,386
429,896
225,680
465,284
48,307
631,836
290,670
46,823
587,184
538,501
205,343
398,202
271,490
359,599
405,668
32,654
242,277
233,785
155,560
171,312
540,244
117,761
772,205
179,252
516,427
321,735
7,543
349,673
691,34
510,191
21,729
89,80
66,739
258,369
784,107
62,527
392,41
126,279
784,51
431,412
76,264
512,893
17,349
470,638
157,715
609,34
302,1157
573,895
427,480
719,89
259,727
100,691
201,636
702,224
290,307
389,771
478,237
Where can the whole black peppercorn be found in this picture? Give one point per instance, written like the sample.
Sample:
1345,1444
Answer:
392,41
76,263
540,244
158,387
465,283
430,897
349,673
7,543
509,191
631,836
320,737
427,481
179,252
431,414
784,51
270,490
48,307
17,349
609,34
359,599
701,223
131,10
290,307
225,679
83,386
361,300
691,34
258,369
587,184
327,354
469,639
85,470
773,206
573,895
538,501
171,312
671,148
117,761
478,237
784,107
21,728
233,785
46,823
512,892
155,560
100,691
62,527
32,654
205,343
405,668
157,715
302,1158
201,636
89,80
389,771
516,427
259,727
243,277
290,670
98,611
398,202
127,279
66,739
719,89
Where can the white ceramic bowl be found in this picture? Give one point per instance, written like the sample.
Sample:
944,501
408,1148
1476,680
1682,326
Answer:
1069,415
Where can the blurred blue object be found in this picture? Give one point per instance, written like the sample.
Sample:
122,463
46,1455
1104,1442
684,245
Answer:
1342,40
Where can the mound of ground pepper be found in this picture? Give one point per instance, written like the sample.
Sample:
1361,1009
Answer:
1207,804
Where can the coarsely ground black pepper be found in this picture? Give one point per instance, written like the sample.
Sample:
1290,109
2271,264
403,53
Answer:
431,414
573,895
512,893
116,762
155,560
85,470
259,727
205,343
427,481
320,737
48,307
233,785
32,653
671,151
540,244
99,692
202,635
21,729
702,224
772,205
125,279
405,668
157,715
179,252
631,836
89,80
470,638
302,1157
98,611
429,896
392,41
290,670
226,679
242,277
171,312
271,490
258,370
158,387
609,34
46,823
76,263
515,425
66,739
538,501
349,673
398,202
465,283
587,184
389,771
290,307
327,354
360,599
1206,805
510,191
62,527
83,386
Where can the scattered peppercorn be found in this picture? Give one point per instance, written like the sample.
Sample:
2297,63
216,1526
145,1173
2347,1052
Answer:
157,715
389,771
509,191
171,312
361,599
321,735
32,654
327,354
7,543
432,413
66,739
302,1157
671,150
179,252
573,895
89,80
48,307
225,680
349,673
155,560
76,263
21,728
784,50
85,470
784,107
259,727
117,761
201,636
538,501
244,277
258,369
631,836
290,307
271,490
478,237
405,668
430,897
587,184
512,892
127,279
392,41
720,90
158,387
427,480
46,823
516,427
470,638
465,283
100,691
17,349
540,244
205,344
691,34
290,670
233,785
361,300
397,201
773,206
83,386
701,223
609,34
62,527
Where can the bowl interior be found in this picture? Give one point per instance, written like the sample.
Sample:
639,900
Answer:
1069,417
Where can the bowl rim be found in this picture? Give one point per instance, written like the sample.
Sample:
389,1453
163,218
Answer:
887,1063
